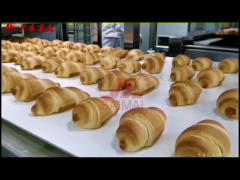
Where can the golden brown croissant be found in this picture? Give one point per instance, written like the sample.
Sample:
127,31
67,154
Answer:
23,55
109,62
92,74
105,51
30,88
11,79
57,99
89,58
79,46
181,59
9,56
50,65
229,65
181,73
201,63
113,81
93,48
62,53
141,84
119,52
49,52
129,66
140,127
69,69
75,56
67,44
32,62
207,138
92,113
153,63
228,104
184,93
210,78
135,54
6,69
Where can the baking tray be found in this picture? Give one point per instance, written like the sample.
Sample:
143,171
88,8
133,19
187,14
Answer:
60,131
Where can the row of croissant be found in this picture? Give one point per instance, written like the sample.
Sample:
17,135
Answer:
138,128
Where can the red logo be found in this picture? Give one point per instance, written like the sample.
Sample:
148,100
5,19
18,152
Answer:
10,28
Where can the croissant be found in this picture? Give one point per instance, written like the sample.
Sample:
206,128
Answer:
227,104
89,58
9,56
50,65
75,56
6,69
62,53
29,89
33,62
67,44
229,65
113,81
93,48
153,63
184,93
141,84
210,78
181,59
92,113
49,52
57,99
135,54
207,138
79,46
21,56
119,52
69,69
11,79
201,63
105,51
109,62
92,74
129,66
140,127
181,73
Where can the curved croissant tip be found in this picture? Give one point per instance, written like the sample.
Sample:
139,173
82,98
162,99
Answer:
123,145
143,66
173,77
231,112
14,91
173,100
130,85
82,79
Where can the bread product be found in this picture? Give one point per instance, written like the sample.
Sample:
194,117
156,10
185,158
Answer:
181,73
135,54
201,63
29,89
181,59
50,65
11,79
153,63
228,104
184,93
57,99
49,52
32,62
229,65
62,53
90,58
140,127
94,48
119,52
129,66
113,81
69,69
207,138
6,69
109,61
91,75
141,84
75,56
210,78
92,113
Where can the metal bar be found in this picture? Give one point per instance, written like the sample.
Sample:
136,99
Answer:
211,48
65,32
152,35
99,35
136,37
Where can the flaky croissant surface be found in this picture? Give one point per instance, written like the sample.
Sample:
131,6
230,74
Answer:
140,127
228,104
109,61
181,73
201,63
181,59
153,63
91,75
33,62
141,84
57,99
229,65
92,113
29,89
113,81
129,66
207,138
50,65
210,78
184,93
135,54
69,69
